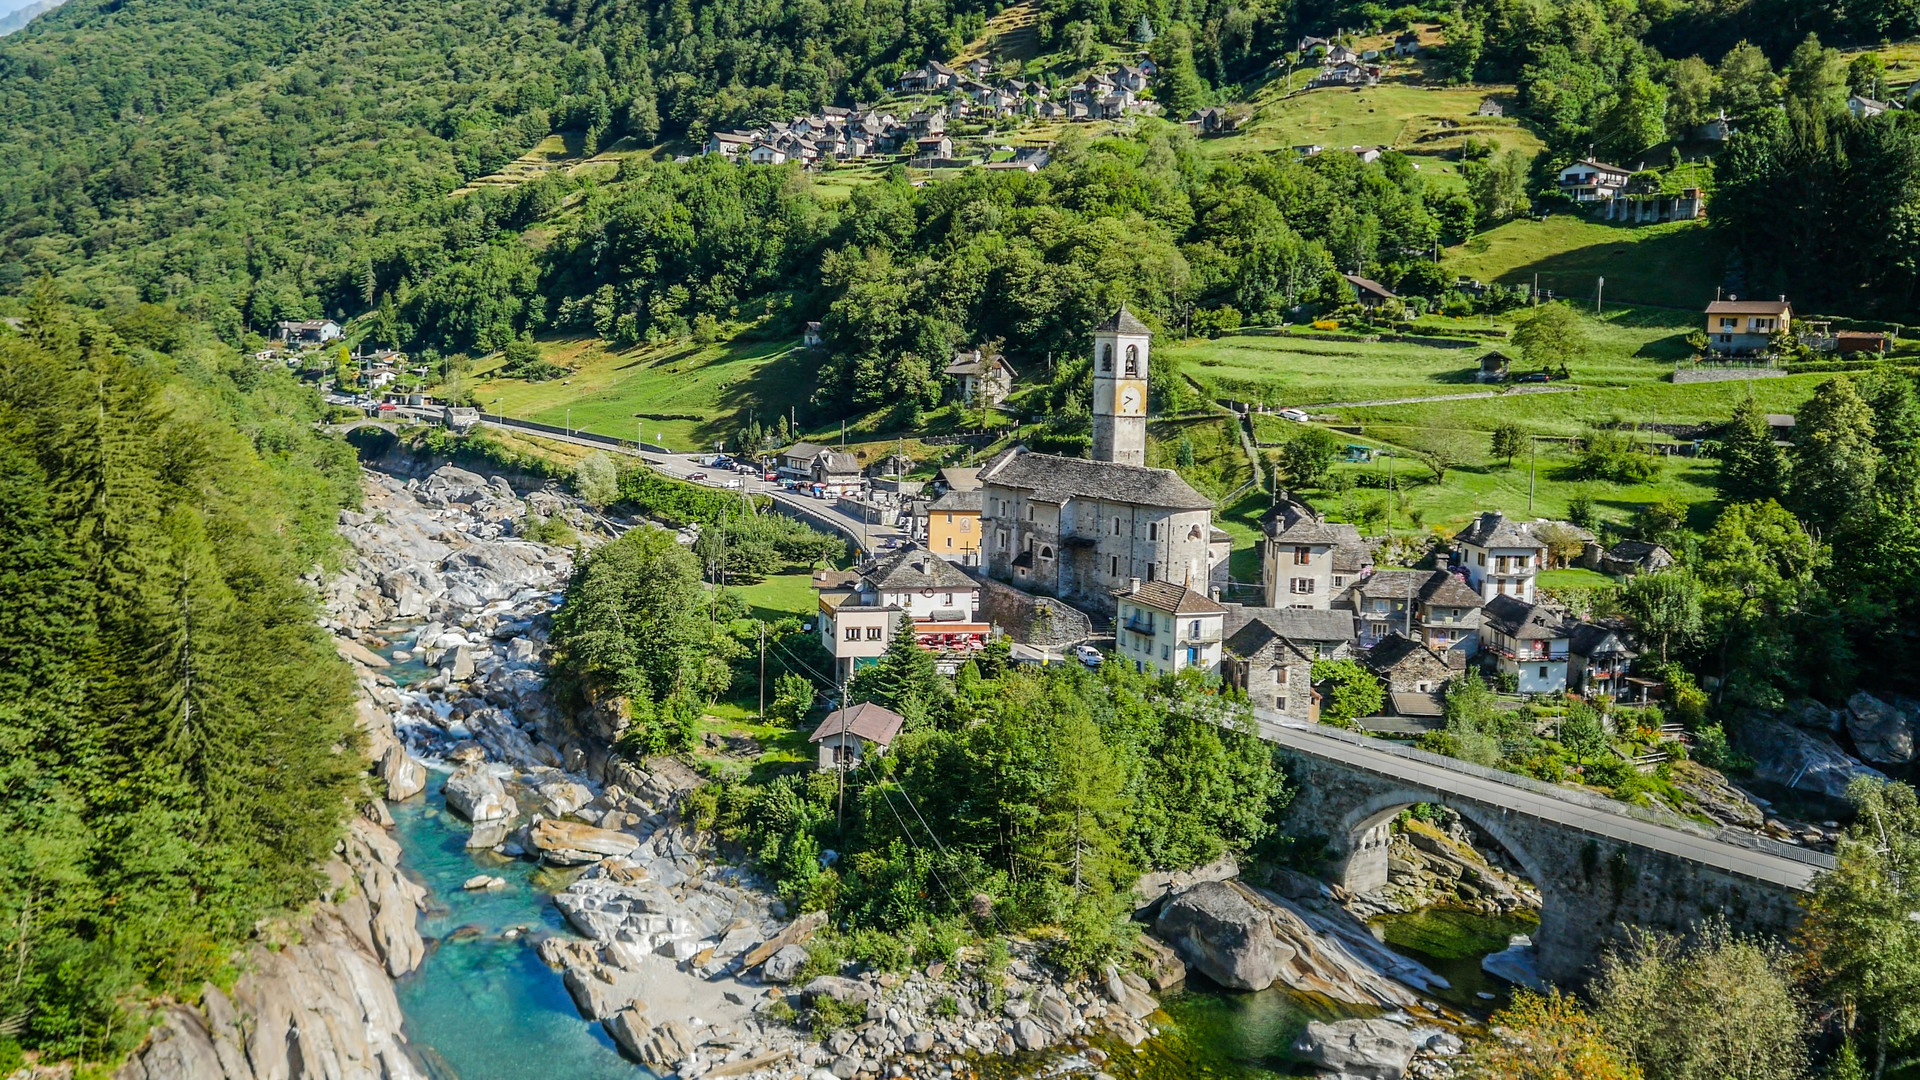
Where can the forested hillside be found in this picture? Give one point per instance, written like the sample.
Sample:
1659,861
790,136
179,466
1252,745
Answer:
247,162
177,748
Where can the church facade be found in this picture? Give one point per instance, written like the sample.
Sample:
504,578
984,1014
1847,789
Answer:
1080,529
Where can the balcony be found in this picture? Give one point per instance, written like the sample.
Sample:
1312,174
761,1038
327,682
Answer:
1205,637
1138,625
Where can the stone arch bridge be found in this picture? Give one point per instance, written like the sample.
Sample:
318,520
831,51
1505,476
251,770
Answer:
1600,865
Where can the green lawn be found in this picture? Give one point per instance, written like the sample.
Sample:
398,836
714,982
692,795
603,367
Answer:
1675,265
609,391
1428,123
1573,577
1631,346
782,596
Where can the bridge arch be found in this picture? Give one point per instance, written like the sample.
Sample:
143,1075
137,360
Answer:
1367,832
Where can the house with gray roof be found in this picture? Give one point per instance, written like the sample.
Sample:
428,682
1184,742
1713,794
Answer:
1500,557
1528,641
1435,607
1270,653
1308,561
1412,670
1598,659
859,614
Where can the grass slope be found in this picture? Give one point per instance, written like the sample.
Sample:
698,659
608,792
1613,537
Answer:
616,393
1674,265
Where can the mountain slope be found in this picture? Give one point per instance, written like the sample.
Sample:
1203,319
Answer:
20,17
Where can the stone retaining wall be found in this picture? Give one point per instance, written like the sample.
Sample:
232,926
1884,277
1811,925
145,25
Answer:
1040,621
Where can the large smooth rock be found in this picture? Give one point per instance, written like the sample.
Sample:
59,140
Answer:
629,1029
569,843
783,965
1219,930
477,795
1882,732
1799,759
405,776
1374,1049
458,663
602,992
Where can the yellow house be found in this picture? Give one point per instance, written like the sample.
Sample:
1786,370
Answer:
1737,327
953,527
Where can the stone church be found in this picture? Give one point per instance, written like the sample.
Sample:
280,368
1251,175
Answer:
1081,529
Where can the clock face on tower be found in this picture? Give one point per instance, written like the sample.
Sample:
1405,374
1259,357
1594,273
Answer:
1132,399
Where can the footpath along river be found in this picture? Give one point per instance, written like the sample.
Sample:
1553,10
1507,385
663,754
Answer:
483,1006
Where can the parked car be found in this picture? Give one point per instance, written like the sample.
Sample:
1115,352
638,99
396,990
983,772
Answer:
1088,655
774,476
731,481
1298,416
1533,376
722,462
697,477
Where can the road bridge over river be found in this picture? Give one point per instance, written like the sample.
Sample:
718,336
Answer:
1600,865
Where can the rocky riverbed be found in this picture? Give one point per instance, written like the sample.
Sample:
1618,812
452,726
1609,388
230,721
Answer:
690,964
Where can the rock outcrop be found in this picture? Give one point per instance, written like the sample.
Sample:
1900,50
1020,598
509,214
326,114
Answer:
321,1006
1360,1049
1801,759
1249,940
476,794
1882,732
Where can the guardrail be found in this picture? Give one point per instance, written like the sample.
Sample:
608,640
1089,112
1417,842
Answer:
1588,800
627,446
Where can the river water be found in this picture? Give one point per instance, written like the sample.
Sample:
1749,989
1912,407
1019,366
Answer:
483,1006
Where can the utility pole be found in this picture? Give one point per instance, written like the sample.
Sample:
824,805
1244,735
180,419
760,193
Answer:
1536,289
763,672
1599,295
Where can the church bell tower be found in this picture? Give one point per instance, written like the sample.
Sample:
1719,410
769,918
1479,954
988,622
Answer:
1120,389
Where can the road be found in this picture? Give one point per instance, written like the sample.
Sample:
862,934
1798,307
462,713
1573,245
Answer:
1794,871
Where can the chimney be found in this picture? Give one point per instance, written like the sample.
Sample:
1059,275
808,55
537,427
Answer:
1133,585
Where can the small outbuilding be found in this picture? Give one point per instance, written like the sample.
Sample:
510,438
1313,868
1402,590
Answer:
843,737
1494,367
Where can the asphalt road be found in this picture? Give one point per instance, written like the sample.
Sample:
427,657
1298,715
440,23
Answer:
1705,850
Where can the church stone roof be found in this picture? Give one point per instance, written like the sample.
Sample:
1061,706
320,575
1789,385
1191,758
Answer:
1123,322
1051,479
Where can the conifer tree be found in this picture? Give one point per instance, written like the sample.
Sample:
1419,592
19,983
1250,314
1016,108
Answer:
1752,468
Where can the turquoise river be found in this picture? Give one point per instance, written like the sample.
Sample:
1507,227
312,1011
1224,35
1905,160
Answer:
484,1007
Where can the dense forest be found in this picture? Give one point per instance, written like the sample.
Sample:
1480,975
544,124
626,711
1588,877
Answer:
250,162
177,747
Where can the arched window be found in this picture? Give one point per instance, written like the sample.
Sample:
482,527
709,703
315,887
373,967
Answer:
1133,360
1046,553
1106,358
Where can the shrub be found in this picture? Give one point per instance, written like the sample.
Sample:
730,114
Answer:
826,1016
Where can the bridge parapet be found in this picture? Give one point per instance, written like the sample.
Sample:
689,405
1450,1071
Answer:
1600,866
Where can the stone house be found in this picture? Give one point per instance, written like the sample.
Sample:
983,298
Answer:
1629,557
984,380
1434,607
1270,652
1494,367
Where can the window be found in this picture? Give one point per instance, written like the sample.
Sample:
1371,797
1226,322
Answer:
1280,703
1029,513
1280,678
853,633
1046,552
946,599
949,541
1133,359
1166,652
1543,671
1483,558
1194,629
949,519
1001,540
1301,586
1338,581
1149,571
1153,530
1302,556
1106,358
874,634
1113,565
1116,526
